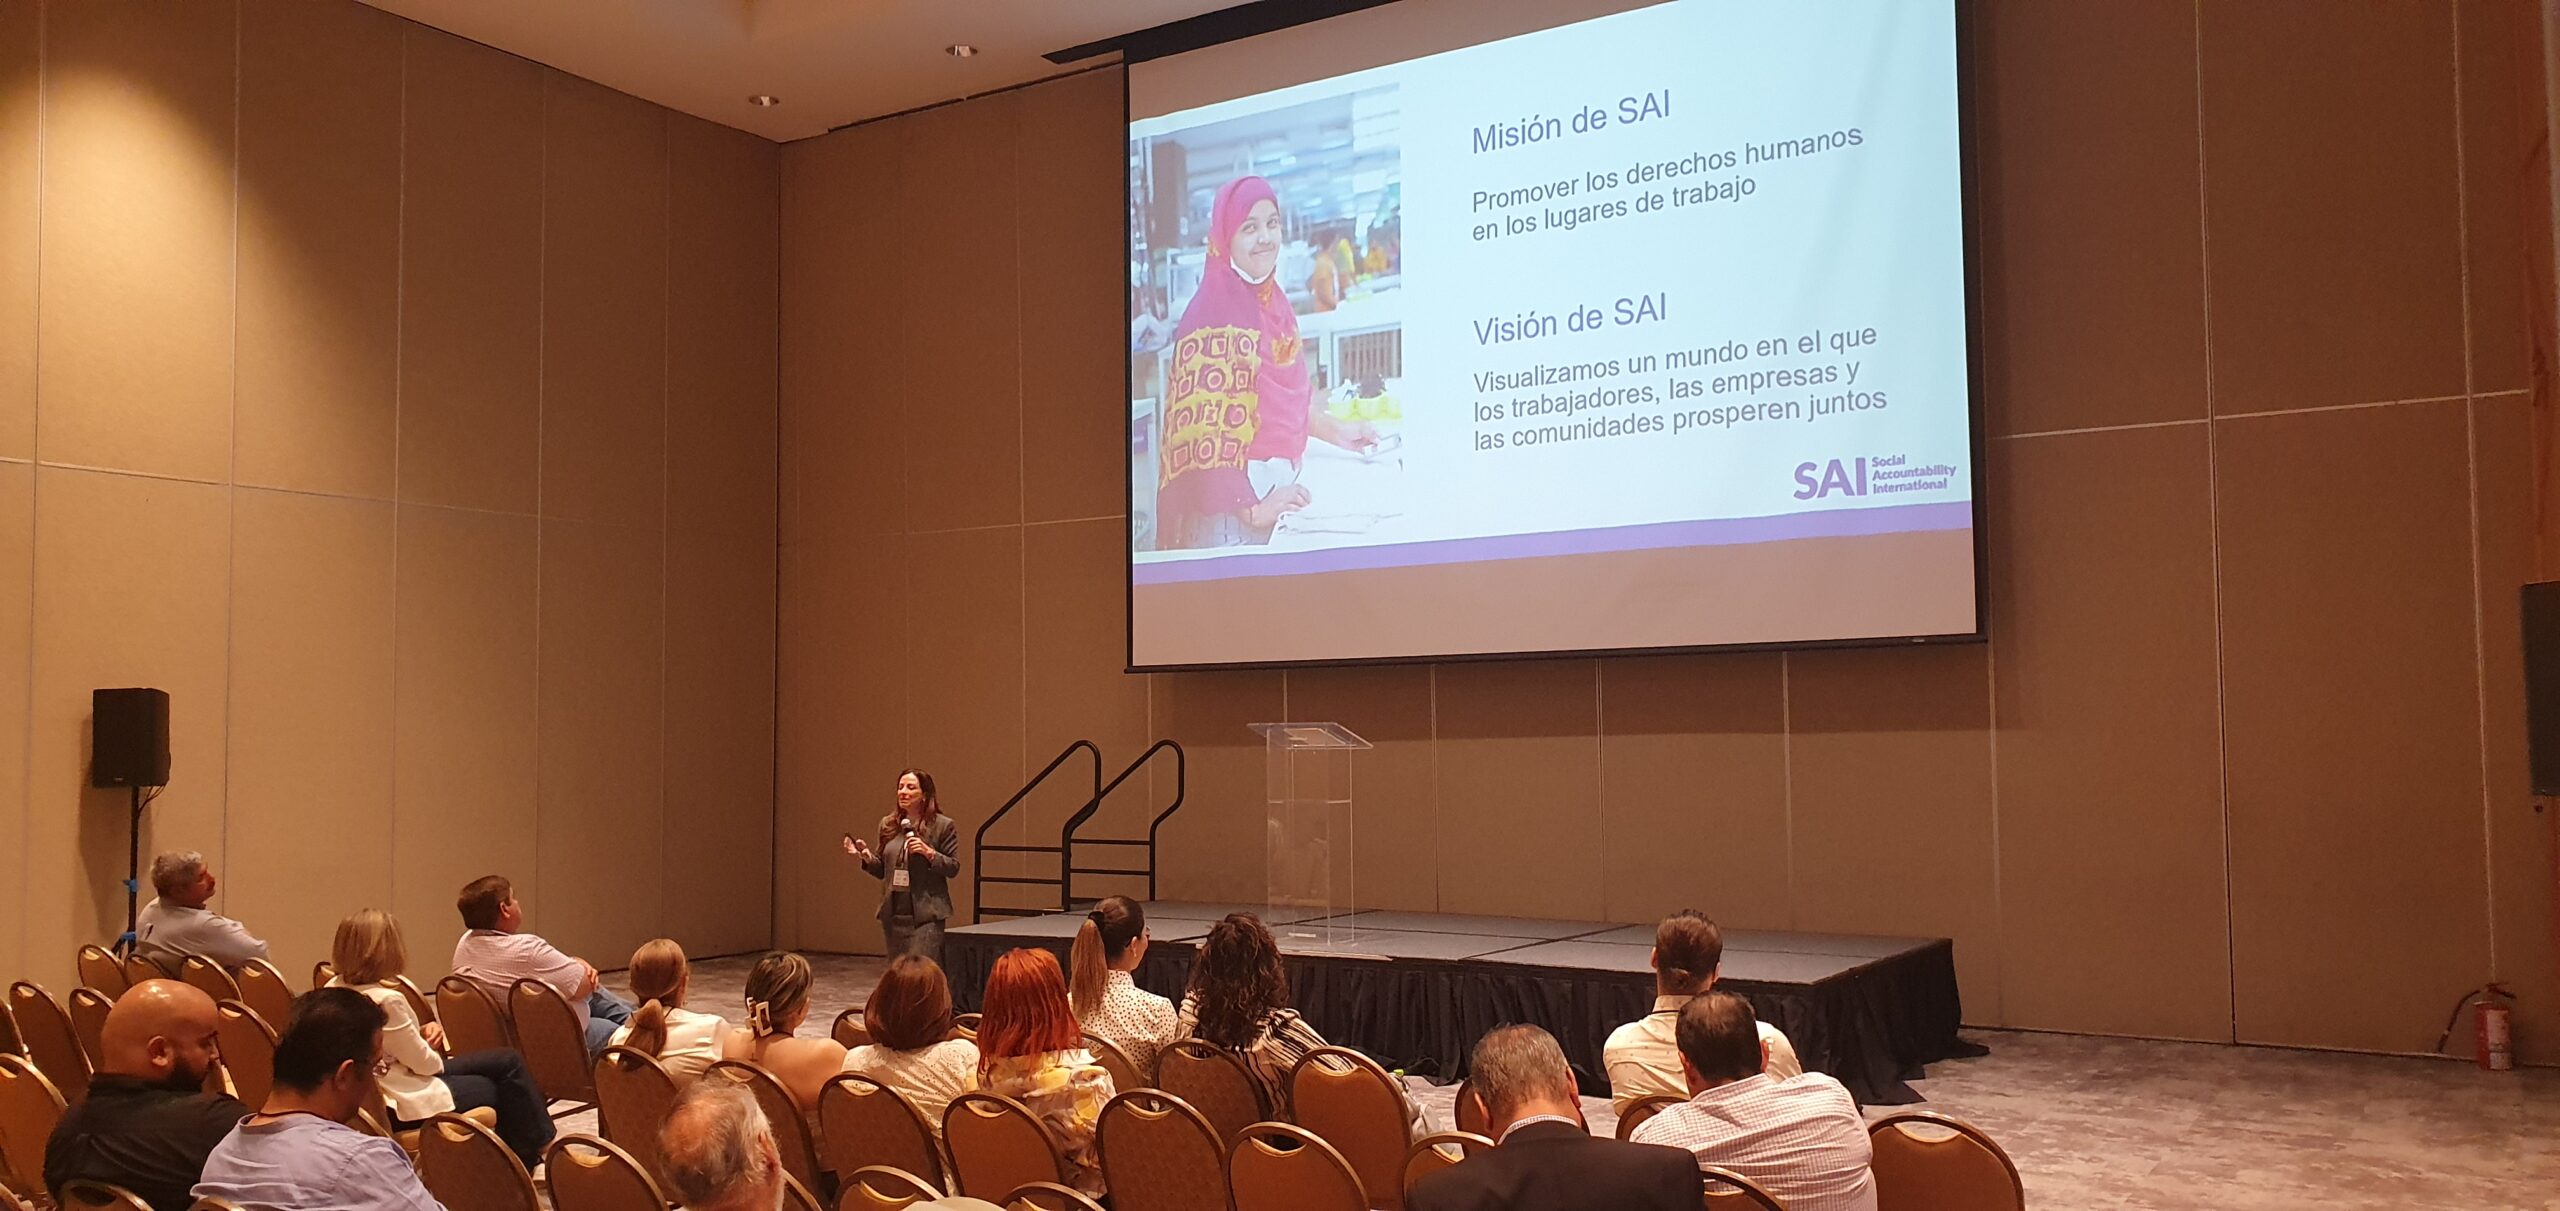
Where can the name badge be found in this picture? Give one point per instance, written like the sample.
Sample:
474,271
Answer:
898,878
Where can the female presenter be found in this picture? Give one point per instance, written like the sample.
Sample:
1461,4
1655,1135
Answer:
918,856
1236,429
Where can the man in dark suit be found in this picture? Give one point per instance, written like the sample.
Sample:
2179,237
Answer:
1548,1160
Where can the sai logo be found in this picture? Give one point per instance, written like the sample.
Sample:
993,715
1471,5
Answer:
1835,478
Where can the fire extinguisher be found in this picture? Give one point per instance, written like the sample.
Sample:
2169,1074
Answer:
2492,1022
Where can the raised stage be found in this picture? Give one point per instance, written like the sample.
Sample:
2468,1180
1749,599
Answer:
1416,990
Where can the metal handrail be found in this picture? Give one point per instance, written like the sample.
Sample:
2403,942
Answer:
1067,838
978,869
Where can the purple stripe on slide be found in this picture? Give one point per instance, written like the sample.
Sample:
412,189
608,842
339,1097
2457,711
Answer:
1820,523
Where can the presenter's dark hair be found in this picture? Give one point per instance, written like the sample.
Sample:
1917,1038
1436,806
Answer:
483,899
1719,1036
924,783
329,1027
1686,949
1238,981
1114,923
911,1007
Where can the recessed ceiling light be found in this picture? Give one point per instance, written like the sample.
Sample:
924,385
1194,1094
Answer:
764,100
960,50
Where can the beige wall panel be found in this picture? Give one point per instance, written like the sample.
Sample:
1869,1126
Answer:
17,556
2502,116
598,847
311,820
2092,251
131,578
2353,714
720,538
1890,756
843,347
1074,313
464,765
1693,788
1213,849
1075,620
963,693
319,246
1395,786
960,371
604,304
2110,775
2334,280
470,275
2521,844
21,60
135,278
1519,777
843,734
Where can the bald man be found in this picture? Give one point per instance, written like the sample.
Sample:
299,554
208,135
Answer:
147,1123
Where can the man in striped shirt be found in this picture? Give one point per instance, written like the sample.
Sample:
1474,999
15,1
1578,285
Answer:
1799,1138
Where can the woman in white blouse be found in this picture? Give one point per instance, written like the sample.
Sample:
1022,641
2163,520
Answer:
1108,1002
911,1048
422,1081
683,1042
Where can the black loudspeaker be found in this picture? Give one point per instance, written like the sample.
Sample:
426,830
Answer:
2542,683
129,737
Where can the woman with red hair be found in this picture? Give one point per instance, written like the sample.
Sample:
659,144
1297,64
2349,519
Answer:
1031,1050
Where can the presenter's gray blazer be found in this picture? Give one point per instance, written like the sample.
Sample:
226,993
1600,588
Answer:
928,883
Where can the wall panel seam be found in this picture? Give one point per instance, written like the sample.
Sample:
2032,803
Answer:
2213,520
399,346
2471,499
27,733
231,469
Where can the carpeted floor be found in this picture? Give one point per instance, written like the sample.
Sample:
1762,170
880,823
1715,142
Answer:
2110,1123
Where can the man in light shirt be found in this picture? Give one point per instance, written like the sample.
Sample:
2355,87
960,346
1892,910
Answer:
177,924
494,954
299,1152
1641,1057
1799,1138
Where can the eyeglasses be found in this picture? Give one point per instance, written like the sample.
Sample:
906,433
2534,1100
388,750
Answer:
382,1066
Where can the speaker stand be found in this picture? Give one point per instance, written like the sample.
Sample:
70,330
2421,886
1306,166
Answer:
132,877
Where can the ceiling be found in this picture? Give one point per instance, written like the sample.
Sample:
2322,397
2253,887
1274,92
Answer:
831,61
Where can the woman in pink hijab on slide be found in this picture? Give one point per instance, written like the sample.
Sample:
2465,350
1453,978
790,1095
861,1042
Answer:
1238,392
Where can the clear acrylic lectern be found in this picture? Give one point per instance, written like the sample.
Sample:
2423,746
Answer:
1307,836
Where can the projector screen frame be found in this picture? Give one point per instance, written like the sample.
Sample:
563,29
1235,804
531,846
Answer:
1209,30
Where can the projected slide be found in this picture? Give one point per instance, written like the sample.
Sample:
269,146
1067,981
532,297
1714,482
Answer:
1645,331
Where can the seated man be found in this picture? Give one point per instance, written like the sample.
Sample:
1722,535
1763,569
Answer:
1641,1058
1800,1138
1547,1158
719,1151
176,924
494,955
147,1124
298,1151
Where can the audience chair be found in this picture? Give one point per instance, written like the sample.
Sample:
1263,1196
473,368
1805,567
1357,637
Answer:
263,988
30,1108
965,1026
248,1051
554,1046
1433,1153
1644,1108
633,1096
865,1124
474,1022
849,1031
997,1145
9,1200
1358,1107
790,1124
377,1119
1159,1154
88,1009
463,1164
83,1195
1946,1163
1049,1196
1280,1167
588,1174
137,969
1124,1073
1215,1083
100,970
207,1202
1728,1189
796,1197
10,1043
208,975
883,1188
421,1006
52,1043
321,973
1470,1110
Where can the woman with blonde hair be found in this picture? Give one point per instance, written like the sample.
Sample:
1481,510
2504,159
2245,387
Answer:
1108,1002
419,1081
684,1042
777,1004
